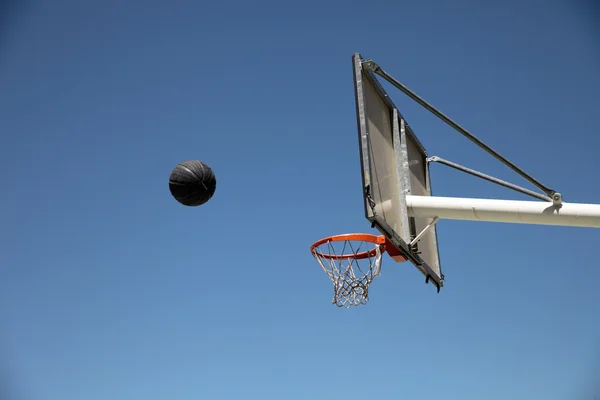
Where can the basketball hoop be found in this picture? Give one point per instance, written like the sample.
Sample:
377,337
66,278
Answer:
352,261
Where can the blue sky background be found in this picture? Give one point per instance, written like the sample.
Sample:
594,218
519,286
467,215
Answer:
109,289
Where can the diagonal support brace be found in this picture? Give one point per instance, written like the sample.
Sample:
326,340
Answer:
424,231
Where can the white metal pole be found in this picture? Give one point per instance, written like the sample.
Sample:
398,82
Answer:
520,212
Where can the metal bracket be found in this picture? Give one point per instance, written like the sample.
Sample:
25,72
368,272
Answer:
370,64
428,277
371,202
557,199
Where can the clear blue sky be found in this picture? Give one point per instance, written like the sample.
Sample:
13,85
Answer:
109,289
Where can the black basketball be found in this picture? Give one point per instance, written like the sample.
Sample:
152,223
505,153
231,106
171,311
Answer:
192,183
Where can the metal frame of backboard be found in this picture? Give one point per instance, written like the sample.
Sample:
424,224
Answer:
389,149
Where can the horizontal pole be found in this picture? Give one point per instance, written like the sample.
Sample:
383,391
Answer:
511,211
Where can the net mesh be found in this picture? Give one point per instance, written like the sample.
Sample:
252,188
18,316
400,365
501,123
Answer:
351,265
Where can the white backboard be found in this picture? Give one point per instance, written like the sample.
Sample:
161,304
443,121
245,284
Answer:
393,165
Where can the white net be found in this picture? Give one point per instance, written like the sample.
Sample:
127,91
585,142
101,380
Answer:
351,268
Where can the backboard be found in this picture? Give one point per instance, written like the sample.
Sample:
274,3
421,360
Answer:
393,165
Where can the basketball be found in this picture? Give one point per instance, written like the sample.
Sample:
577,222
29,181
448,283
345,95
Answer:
192,183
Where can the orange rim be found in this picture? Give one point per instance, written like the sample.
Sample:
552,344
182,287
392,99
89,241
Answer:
380,241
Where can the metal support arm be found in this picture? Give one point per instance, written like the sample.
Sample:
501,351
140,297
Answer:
490,178
372,65
511,211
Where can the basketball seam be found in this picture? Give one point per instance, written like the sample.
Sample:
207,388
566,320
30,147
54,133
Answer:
193,173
